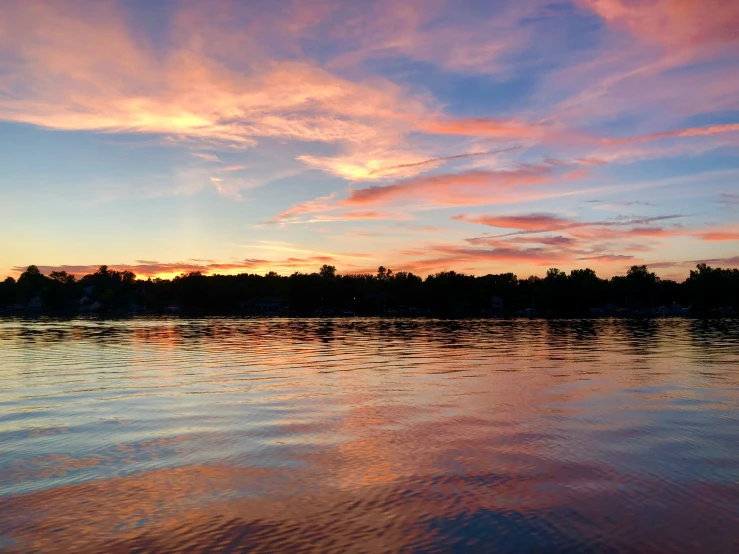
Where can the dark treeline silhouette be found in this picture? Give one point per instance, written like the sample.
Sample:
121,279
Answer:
446,294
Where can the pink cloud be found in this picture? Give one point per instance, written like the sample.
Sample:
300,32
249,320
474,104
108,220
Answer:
431,32
691,132
538,223
577,174
673,23
604,231
362,215
86,70
608,241
581,240
471,187
529,222
719,234
656,61
355,216
558,241
510,254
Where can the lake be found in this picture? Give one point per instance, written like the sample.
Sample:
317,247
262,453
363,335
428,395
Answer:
369,435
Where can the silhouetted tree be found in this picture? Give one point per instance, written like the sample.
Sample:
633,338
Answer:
384,274
710,288
586,290
31,283
641,285
7,292
62,277
555,292
446,293
327,272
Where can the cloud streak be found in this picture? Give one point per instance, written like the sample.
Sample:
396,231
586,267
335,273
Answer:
538,223
471,187
442,159
691,132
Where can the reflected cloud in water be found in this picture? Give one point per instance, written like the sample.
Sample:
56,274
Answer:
375,435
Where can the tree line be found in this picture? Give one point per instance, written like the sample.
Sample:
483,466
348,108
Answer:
445,294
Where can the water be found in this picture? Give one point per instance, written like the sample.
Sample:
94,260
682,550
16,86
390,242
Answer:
369,435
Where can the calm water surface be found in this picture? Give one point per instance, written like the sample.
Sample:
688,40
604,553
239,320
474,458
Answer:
369,435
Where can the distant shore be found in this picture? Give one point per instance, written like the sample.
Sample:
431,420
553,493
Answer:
707,292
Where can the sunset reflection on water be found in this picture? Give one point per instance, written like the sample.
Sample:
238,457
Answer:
369,435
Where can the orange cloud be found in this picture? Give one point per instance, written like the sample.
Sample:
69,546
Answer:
481,126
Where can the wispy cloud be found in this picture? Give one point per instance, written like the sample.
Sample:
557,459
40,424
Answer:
437,161
720,234
691,132
732,261
206,156
728,198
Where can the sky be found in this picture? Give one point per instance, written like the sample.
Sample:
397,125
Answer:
475,136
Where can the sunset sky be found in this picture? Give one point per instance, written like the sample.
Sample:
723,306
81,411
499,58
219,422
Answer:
481,137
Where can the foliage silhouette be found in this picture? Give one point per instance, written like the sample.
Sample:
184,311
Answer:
445,294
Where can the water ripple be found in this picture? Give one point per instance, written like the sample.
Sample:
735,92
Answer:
367,435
